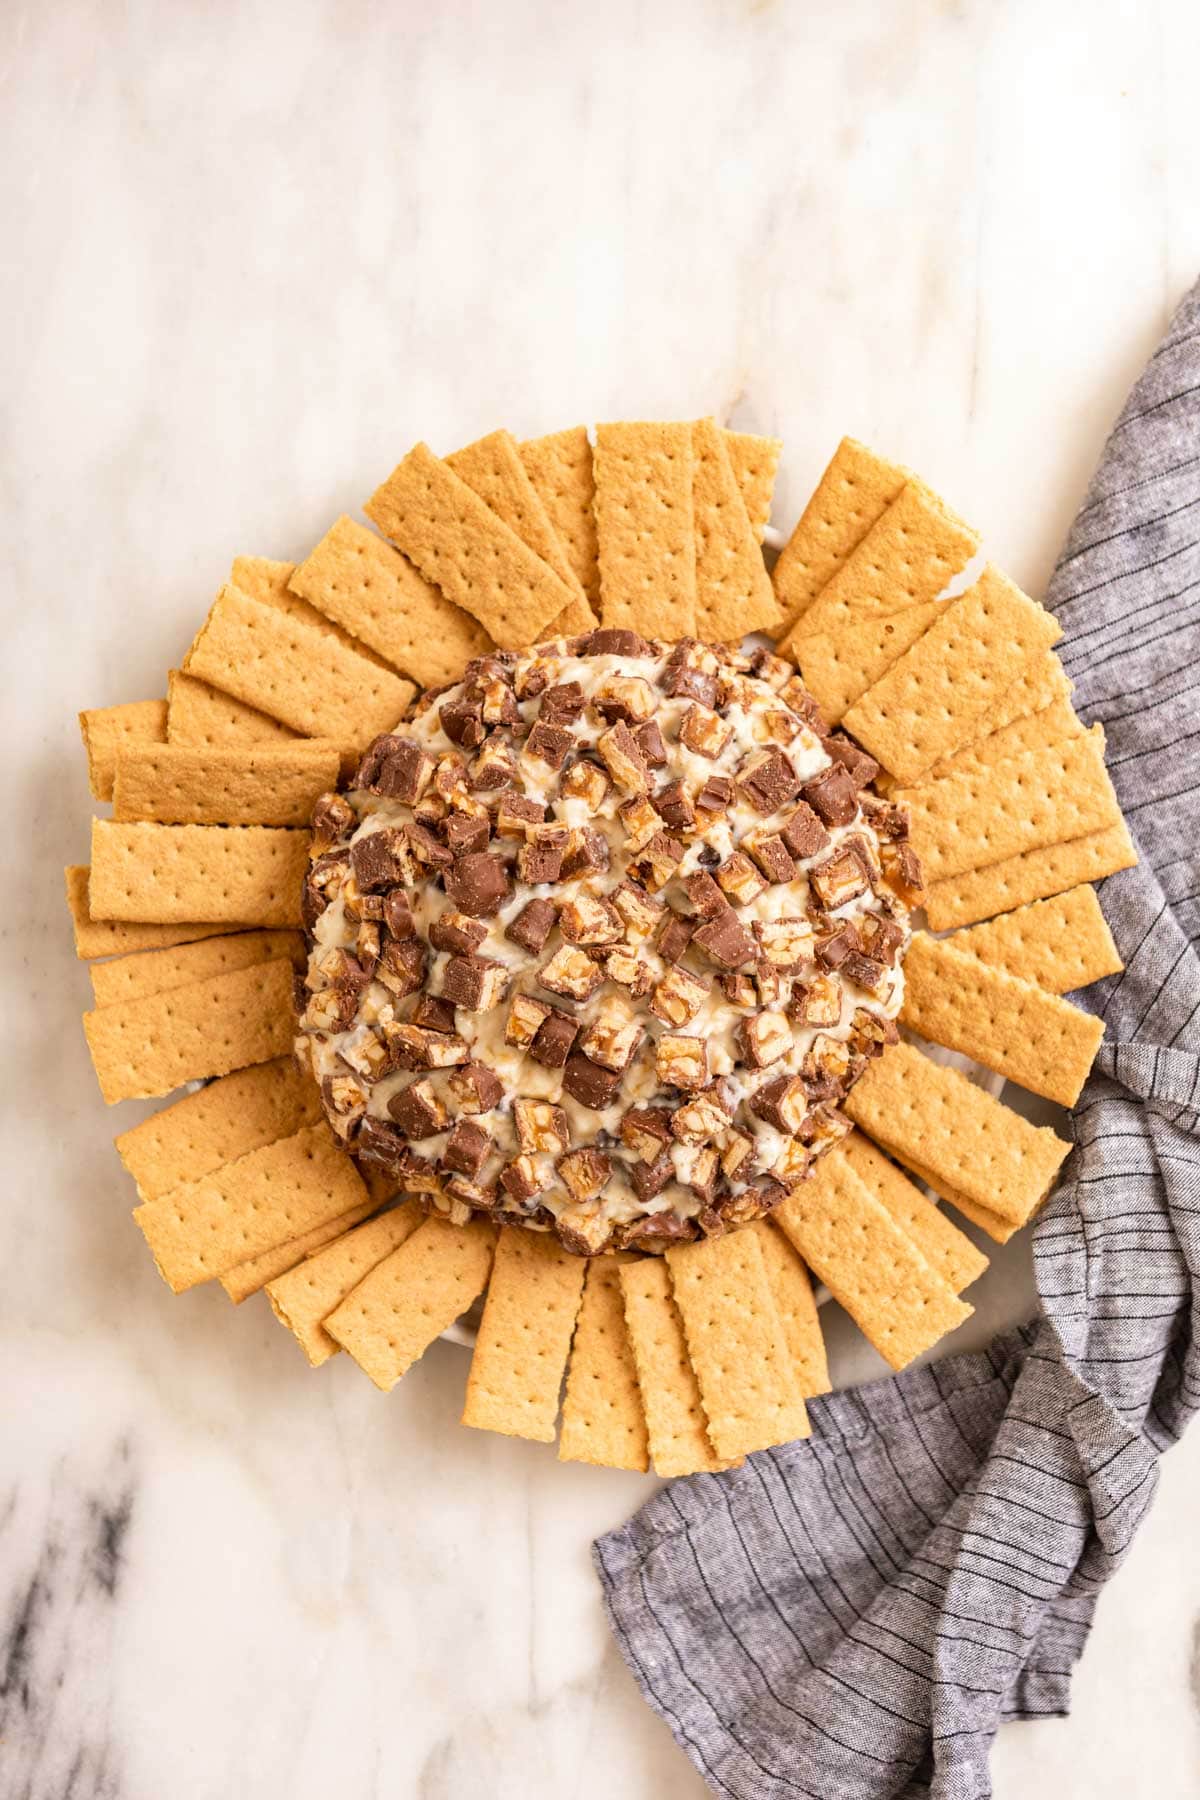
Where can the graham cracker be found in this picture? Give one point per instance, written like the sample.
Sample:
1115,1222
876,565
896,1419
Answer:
929,704
1036,1039
460,545
944,1247
792,1292
176,784
200,714
749,1386
755,463
230,1117
1041,683
895,1296
105,937
560,468
733,590
250,1277
239,875
372,589
269,1197
996,1227
108,729
304,1294
1033,731
602,1418
294,672
493,469
917,1108
906,559
1032,875
1062,944
838,666
676,1429
645,528
154,971
1047,796
575,618
524,1336
144,1048
412,1296
852,495
270,583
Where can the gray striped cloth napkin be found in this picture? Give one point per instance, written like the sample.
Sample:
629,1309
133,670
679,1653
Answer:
856,1615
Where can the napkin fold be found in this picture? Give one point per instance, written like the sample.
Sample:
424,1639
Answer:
855,1615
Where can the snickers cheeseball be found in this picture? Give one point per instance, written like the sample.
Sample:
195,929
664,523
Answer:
600,937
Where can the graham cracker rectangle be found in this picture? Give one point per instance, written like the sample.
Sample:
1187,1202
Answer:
459,544
792,1291
755,462
838,666
645,528
602,1418
944,1247
238,1113
154,971
1036,1039
749,1386
917,1108
895,1296
144,1048
1033,875
177,784
493,469
1062,943
733,590
105,937
560,468
676,1428
1041,683
271,583
407,1300
372,589
906,559
266,1198
575,618
524,1336
237,875
109,729
295,673
250,1277
1047,796
317,1283
996,1227
931,701
1033,731
852,495
200,714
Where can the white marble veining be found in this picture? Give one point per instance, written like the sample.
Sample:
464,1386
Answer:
251,252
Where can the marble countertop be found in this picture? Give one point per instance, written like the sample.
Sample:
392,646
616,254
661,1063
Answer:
253,252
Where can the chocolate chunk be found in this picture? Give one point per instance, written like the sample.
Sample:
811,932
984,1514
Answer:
622,757
477,884
323,881
541,859
333,818
572,973
532,925
861,768
401,966
655,1228
382,1145
380,860
550,744
417,1110
739,988
432,1013
706,896
839,879
552,1043
585,919
832,794
585,1173
864,970
646,1130
650,743
887,821
833,952
562,704
881,937
902,872
659,860
713,799
650,1178
588,1082
466,1149
611,642
803,832
768,780
395,767
464,834
725,940
587,853
397,915
475,982
426,848
585,780
674,938
457,933
771,854
673,804
520,1179
515,813
476,1087
684,683
462,723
